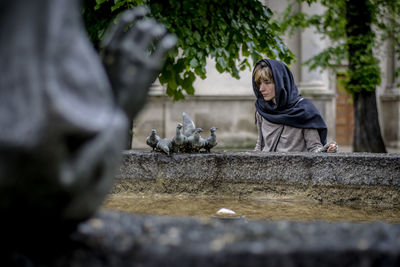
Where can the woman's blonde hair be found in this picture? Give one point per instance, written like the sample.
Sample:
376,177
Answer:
262,73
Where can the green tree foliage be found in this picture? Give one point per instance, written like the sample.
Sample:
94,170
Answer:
384,20
355,28
229,31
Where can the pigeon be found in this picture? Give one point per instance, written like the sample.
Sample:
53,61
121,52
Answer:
188,125
211,141
164,145
152,139
195,141
179,141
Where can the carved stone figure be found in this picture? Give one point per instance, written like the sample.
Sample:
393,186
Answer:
152,139
195,141
189,141
188,125
211,141
63,116
179,141
165,145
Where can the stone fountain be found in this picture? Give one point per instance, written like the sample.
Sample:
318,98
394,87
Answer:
63,123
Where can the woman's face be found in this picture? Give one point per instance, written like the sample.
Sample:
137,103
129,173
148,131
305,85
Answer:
267,89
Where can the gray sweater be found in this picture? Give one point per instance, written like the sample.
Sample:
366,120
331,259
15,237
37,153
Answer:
283,138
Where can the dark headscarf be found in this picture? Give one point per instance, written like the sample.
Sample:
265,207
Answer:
290,108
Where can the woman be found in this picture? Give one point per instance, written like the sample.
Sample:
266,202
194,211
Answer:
286,122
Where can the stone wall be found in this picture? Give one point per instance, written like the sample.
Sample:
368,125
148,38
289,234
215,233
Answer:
234,116
344,178
390,102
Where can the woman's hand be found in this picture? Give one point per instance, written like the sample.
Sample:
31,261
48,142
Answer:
333,148
330,147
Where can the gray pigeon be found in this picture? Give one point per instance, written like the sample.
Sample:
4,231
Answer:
188,125
195,141
211,141
164,145
152,139
179,141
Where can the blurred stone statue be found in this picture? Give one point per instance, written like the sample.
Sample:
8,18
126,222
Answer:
64,118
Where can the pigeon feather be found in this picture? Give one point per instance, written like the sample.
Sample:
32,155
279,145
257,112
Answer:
164,145
188,125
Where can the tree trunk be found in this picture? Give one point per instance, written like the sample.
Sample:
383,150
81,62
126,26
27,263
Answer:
367,133
130,137
364,76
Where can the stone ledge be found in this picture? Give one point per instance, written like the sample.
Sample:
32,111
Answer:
117,239
392,94
208,97
359,178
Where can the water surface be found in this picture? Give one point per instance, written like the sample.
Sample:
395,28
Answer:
254,209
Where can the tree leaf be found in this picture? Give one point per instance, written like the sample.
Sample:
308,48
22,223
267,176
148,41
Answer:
194,62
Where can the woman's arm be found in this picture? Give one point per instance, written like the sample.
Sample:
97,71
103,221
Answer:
260,141
313,142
